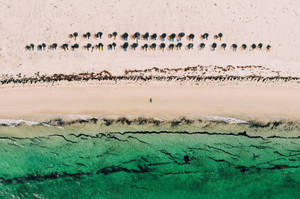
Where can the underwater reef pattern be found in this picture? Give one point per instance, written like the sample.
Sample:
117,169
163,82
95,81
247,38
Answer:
150,164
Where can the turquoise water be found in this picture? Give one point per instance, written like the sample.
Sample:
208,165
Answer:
149,165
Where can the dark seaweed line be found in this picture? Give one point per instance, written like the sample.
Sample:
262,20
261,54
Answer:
111,135
108,76
141,169
293,125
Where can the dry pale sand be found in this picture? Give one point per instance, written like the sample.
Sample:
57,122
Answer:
273,22
170,100
23,22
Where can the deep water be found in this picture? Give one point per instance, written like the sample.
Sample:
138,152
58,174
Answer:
149,165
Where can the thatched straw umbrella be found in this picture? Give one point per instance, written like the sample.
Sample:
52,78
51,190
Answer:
153,36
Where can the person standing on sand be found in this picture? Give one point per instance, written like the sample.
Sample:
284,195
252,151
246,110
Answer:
150,100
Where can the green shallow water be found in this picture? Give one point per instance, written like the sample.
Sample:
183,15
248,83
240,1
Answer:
149,165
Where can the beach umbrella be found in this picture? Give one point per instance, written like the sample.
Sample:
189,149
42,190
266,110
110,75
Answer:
162,46
268,48
43,46
39,47
124,46
260,45
234,47
114,45
75,35
134,46
171,46
172,37
178,46
136,36
205,36
145,47
88,46
32,46
202,45
27,48
223,45
244,46
154,36
163,36
124,36
114,34
65,47
214,46
99,35
253,46
153,46
181,35
109,47
53,46
87,35
191,37
190,46
146,36
75,46
99,46
219,36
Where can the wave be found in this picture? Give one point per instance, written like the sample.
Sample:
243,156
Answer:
14,123
203,122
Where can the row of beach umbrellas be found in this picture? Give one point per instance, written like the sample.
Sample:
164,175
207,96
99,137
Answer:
146,36
153,46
